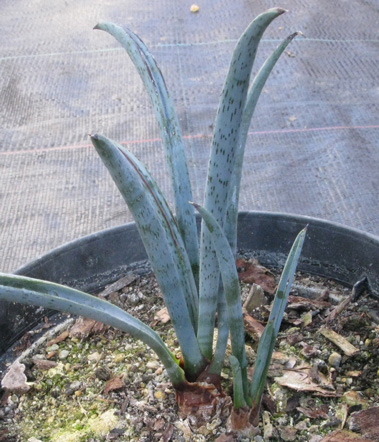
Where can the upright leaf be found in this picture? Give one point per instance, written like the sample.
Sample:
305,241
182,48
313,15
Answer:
158,199
57,297
225,139
238,394
230,282
170,132
285,283
264,353
267,341
251,102
161,246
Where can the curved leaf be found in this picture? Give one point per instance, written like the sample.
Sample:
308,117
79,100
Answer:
184,266
230,282
57,297
225,140
161,246
251,102
286,278
170,132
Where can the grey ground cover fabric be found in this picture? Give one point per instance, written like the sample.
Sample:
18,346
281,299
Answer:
313,147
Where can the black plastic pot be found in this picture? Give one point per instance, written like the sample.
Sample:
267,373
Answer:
330,250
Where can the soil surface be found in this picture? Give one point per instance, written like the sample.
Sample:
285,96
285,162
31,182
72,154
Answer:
89,382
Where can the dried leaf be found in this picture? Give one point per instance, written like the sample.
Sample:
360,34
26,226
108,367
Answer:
225,438
344,436
314,413
167,434
15,379
300,303
43,364
302,379
115,383
339,341
84,327
366,422
162,316
253,273
253,327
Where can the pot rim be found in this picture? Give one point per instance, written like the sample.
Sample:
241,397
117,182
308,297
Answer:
280,216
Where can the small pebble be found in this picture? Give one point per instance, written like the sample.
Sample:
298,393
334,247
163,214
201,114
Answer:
94,357
159,395
335,359
103,373
63,354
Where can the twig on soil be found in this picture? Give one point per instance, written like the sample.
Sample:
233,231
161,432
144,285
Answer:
358,288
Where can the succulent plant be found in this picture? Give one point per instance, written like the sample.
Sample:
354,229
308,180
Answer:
198,279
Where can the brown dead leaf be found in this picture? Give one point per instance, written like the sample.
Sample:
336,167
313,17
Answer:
4,435
58,339
115,383
84,327
225,438
159,425
303,379
162,316
167,434
15,379
43,364
300,303
253,327
345,436
253,273
314,413
366,422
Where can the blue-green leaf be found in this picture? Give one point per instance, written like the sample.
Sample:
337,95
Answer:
225,140
230,282
57,297
161,246
222,335
238,394
267,341
158,199
251,102
264,353
170,132
284,286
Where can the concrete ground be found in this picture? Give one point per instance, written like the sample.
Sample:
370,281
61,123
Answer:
313,148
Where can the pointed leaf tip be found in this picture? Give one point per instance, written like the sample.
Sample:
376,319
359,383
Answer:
295,34
196,206
280,10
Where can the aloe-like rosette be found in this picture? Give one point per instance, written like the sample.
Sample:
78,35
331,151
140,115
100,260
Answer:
221,164
171,243
58,297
